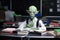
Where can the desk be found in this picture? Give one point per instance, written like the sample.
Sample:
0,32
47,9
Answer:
13,36
30,36
34,36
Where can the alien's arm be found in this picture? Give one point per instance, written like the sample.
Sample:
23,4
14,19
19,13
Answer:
21,26
42,25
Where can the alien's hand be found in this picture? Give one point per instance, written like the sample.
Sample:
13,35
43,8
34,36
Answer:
30,24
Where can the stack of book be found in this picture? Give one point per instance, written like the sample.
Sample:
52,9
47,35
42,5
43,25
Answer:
54,23
8,30
57,32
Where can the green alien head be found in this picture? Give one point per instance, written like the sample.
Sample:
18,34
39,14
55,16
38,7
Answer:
32,10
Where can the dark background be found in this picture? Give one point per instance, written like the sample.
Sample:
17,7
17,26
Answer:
20,6
5,3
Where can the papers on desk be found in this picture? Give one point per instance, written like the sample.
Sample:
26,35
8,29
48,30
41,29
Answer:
49,33
22,33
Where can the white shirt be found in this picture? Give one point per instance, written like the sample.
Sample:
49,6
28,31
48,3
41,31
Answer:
42,28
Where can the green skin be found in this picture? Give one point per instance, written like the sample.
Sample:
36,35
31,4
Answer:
32,11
